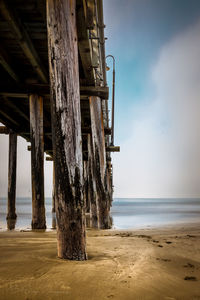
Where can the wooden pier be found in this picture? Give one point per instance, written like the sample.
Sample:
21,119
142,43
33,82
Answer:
54,93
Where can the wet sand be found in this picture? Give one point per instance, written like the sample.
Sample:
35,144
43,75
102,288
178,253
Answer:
141,264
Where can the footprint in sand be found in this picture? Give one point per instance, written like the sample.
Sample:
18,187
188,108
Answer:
166,259
188,265
190,278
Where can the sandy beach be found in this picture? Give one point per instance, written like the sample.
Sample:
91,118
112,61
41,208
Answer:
139,264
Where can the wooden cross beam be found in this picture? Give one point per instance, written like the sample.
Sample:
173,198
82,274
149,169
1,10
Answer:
49,151
4,130
87,130
84,130
22,91
49,158
113,149
98,91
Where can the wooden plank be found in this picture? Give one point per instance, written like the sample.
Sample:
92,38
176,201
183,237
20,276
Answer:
47,150
11,213
66,128
113,149
14,94
99,91
84,45
48,158
37,161
90,14
86,130
4,130
23,90
22,36
5,61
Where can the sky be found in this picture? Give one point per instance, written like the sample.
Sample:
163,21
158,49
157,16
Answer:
156,44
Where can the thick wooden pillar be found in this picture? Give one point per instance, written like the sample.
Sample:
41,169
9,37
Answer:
92,191
85,187
37,161
98,141
53,200
53,191
66,127
12,164
109,188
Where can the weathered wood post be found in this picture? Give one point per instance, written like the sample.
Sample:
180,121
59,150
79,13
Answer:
53,191
98,141
92,192
85,186
86,193
109,188
37,161
66,127
53,200
12,164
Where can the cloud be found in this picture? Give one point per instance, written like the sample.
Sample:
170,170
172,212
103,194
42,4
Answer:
162,154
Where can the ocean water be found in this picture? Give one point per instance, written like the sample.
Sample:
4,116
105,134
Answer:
24,213
144,213
126,213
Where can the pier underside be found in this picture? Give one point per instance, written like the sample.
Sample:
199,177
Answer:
53,93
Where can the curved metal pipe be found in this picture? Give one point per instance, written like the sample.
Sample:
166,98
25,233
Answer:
113,99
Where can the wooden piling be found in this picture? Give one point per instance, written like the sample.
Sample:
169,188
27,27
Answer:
66,127
98,141
53,191
85,187
92,191
37,161
12,164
